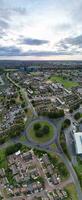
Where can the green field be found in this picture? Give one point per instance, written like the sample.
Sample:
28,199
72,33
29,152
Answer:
22,138
53,145
45,138
3,161
72,192
66,83
78,169
80,115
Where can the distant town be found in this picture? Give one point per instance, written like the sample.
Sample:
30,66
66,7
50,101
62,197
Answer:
40,130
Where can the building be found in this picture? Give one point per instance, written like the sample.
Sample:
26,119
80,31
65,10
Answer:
78,142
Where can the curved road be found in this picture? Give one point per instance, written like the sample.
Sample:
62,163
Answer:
47,143
60,152
62,155
69,166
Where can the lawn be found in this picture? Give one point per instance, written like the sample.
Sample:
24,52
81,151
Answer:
44,138
78,169
53,146
66,83
80,115
3,161
72,192
59,166
22,138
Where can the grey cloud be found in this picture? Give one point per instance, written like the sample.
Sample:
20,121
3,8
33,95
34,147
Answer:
14,51
20,10
10,51
4,24
77,12
63,27
6,13
32,42
73,41
45,53
6,16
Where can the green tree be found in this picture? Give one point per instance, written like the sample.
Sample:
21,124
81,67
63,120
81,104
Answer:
77,116
37,126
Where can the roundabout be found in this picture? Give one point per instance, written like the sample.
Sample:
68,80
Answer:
41,132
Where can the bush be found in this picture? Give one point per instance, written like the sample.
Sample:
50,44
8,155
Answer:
41,131
81,121
23,105
16,130
56,114
75,107
45,129
12,149
63,143
2,140
66,123
71,110
77,116
37,126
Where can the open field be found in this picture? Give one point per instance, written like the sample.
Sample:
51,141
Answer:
44,138
72,192
66,83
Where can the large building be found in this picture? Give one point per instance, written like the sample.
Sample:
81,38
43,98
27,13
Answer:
78,142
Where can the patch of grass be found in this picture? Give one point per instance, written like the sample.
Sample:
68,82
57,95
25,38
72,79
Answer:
10,177
53,146
80,115
22,138
78,169
59,166
66,83
44,138
71,192
3,161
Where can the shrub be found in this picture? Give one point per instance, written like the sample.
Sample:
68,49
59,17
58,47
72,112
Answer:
37,126
66,123
77,116
41,130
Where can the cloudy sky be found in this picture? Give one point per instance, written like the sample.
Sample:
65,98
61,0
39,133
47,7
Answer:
41,29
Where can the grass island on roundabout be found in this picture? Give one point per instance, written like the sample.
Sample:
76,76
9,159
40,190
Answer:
41,131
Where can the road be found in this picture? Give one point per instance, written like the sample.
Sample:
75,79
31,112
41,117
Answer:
64,158
59,149
69,166
24,94
72,173
46,144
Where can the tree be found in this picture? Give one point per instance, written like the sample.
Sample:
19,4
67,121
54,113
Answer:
46,129
71,110
23,104
56,114
26,110
37,126
77,116
39,133
42,131
12,149
12,101
66,123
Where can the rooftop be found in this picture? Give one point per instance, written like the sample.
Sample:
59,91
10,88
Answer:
78,142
